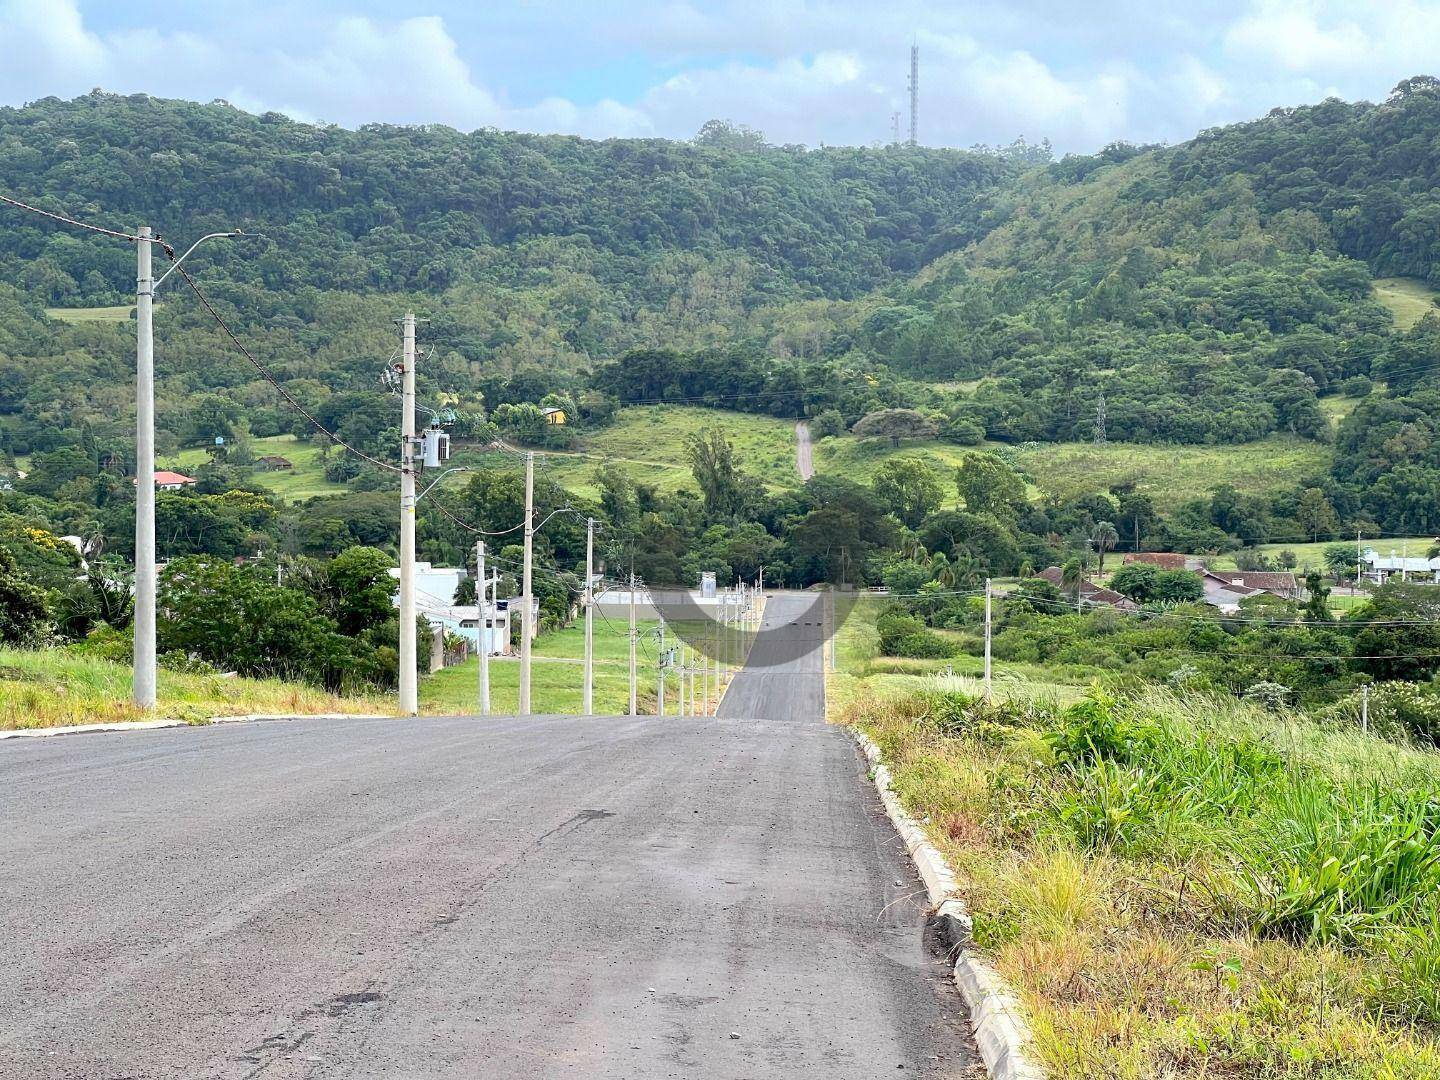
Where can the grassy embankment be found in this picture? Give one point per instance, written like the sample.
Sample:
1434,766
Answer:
55,688
1177,887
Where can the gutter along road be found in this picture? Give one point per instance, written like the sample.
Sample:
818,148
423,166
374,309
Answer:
454,897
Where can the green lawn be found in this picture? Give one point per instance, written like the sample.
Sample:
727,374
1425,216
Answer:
1408,299
1337,408
558,674
57,687
119,313
304,481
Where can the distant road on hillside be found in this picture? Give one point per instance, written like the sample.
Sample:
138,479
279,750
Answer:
803,464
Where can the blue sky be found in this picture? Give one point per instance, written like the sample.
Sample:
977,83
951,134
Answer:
802,71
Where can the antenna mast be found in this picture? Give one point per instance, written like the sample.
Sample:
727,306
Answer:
914,93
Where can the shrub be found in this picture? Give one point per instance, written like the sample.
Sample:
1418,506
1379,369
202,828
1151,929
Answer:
1397,710
923,645
893,627
1095,730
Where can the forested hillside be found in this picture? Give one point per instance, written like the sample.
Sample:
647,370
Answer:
1217,294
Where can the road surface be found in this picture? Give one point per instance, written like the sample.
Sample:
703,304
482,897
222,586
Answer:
804,463
452,897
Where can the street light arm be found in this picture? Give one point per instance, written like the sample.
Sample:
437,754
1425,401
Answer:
208,236
447,472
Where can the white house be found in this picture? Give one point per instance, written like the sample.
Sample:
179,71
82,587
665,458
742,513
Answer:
435,599
165,480
1380,568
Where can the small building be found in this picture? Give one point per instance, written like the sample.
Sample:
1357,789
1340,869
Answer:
273,463
165,480
1281,583
554,415
1091,594
1225,595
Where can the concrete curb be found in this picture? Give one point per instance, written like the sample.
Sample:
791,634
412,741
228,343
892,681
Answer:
1000,1030
156,725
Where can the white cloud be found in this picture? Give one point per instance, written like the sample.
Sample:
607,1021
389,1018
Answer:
1319,39
47,49
359,71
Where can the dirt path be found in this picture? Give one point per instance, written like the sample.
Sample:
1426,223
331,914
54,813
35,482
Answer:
803,464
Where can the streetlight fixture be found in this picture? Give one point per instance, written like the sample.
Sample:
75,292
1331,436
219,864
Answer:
145,286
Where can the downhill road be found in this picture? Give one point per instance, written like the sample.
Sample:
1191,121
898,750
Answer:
455,897
804,455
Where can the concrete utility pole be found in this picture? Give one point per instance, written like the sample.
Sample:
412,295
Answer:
632,643
834,634
680,674
409,670
987,641
481,588
526,604
143,689
144,676
1359,556
1365,707
660,675
588,703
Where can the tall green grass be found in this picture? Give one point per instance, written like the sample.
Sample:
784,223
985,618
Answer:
1185,886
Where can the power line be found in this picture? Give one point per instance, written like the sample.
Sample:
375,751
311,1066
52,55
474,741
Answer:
265,373
132,237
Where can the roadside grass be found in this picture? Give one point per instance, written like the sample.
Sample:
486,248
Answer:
118,313
306,480
1184,887
863,672
1408,299
57,688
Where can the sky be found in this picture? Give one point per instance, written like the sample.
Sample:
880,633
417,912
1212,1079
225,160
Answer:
801,71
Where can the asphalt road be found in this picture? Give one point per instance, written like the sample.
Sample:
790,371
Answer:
553,897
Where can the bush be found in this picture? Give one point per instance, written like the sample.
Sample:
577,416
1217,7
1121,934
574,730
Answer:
827,424
1398,710
1357,386
895,625
924,645
1096,730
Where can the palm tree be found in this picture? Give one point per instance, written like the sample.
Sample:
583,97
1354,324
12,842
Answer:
1104,538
